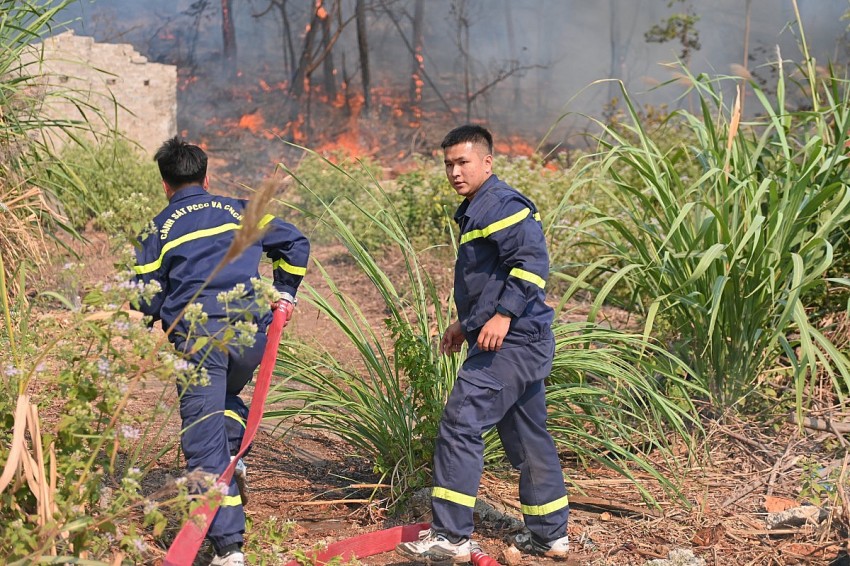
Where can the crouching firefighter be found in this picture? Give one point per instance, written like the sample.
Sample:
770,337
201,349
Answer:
181,250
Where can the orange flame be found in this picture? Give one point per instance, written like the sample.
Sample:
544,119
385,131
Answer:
253,122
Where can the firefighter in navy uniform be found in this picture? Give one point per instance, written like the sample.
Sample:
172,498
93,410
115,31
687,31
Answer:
185,243
500,275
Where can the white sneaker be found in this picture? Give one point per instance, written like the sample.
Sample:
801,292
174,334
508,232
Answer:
234,558
435,548
558,548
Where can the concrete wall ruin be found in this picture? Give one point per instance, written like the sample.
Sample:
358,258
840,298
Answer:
134,95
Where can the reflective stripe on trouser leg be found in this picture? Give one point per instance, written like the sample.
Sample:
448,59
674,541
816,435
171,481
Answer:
459,458
531,450
241,364
204,441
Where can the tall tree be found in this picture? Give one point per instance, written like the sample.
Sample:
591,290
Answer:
228,31
329,71
363,49
418,71
305,63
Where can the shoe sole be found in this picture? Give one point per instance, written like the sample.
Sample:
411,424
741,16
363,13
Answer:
429,560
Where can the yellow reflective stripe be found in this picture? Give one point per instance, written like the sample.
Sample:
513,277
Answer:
528,276
281,263
537,217
556,505
154,265
453,496
235,416
231,501
495,226
265,220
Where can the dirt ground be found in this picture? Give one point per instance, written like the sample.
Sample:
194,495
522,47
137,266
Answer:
742,471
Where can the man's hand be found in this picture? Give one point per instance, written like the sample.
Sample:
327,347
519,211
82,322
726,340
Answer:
493,332
452,340
287,309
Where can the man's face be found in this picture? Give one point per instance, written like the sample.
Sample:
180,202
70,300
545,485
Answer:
468,165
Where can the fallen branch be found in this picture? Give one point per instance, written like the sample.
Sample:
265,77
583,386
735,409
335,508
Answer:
824,425
748,441
598,503
775,469
753,485
333,501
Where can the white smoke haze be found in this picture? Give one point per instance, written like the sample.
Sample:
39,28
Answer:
550,50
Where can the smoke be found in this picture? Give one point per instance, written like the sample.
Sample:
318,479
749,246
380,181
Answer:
519,66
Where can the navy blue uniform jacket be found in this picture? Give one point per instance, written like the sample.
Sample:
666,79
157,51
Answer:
187,241
502,262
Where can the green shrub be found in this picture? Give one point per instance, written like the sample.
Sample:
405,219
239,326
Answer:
425,202
343,189
123,189
387,407
721,258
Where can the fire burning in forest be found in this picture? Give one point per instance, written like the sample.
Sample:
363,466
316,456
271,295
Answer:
331,99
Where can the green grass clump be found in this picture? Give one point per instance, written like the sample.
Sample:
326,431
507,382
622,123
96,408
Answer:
721,237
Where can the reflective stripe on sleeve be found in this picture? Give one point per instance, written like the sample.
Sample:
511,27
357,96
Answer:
265,220
528,276
556,505
495,226
289,268
154,265
453,496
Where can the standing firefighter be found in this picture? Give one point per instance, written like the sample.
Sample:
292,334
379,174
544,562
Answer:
182,251
500,274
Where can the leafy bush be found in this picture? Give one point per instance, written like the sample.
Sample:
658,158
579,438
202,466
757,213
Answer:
343,189
85,461
722,258
425,202
123,190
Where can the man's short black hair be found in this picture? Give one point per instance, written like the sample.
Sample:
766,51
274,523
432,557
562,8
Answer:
181,163
468,133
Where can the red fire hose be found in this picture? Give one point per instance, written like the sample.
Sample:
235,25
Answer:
188,541
379,542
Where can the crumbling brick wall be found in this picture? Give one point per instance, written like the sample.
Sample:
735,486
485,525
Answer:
132,94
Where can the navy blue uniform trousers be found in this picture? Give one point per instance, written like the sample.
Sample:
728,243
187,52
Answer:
214,418
504,389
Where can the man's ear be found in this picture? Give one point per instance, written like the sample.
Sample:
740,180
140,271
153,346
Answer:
167,189
206,184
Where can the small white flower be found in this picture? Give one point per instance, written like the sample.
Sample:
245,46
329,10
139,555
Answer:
103,367
130,432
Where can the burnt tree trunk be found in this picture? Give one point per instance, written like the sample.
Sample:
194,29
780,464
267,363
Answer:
328,69
363,49
418,71
228,32
288,44
301,77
